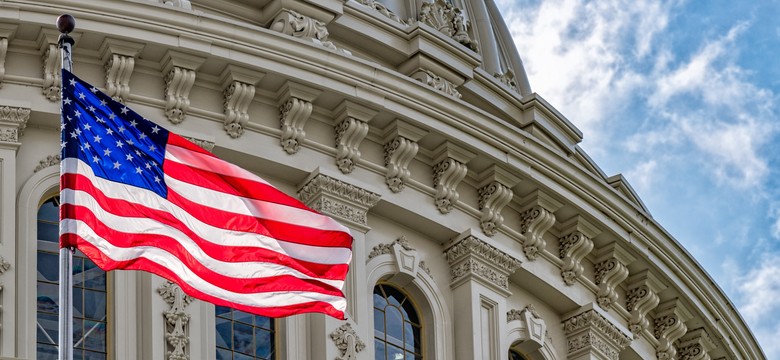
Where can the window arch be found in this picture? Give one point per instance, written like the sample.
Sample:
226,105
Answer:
244,336
514,355
397,325
90,294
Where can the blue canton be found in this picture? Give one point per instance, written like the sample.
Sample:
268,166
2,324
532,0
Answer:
116,142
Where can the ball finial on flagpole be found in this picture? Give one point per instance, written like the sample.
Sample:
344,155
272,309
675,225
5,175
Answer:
66,23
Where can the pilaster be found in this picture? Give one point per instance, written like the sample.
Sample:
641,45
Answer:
295,107
575,243
449,170
669,322
480,285
593,335
239,90
495,192
118,57
642,297
536,217
179,76
611,269
351,128
400,139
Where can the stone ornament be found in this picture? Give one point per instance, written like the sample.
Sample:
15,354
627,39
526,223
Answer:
406,258
669,326
179,76
50,160
292,23
641,298
533,330
347,341
437,82
611,269
695,345
382,9
535,219
13,121
337,198
119,60
592,335
400,148
492,199
239,91
449,171
294,111
352,127
508,79
472,258
184,4
449,20
176,321
205,144
6,33
574,245
52,65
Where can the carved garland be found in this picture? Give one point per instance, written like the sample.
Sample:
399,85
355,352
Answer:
176,321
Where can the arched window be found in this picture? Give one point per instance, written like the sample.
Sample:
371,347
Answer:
244,336
514,355
397,326
90,297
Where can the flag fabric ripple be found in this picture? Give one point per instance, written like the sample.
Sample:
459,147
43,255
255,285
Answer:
135,196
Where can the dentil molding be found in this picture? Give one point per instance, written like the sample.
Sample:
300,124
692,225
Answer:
347,341
176,321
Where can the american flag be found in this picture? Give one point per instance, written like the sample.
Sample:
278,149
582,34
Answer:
135,196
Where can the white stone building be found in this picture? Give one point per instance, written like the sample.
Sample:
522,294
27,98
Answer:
482,230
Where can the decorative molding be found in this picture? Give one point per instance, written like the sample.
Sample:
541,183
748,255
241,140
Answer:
536,218
495,192
13,121
347,341
382,249
508,79
437,82
184,4
515,314
695,345
472,258
50,160
290,22
379,7
400,146
449,20
592,335
52,61
352,126
6,34
407,259
669,326
533,329
179,76
176,321
239,91
294,111
205,144
119,59
641,297
611,269
449,171
337,198
573,246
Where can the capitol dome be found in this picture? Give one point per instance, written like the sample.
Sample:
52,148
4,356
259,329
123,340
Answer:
481,229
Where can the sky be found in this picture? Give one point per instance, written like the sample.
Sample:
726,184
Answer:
683,98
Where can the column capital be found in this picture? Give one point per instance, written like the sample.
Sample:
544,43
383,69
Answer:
593,334
472,258
13,121
340,199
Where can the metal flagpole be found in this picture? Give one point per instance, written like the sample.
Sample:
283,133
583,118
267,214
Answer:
66,24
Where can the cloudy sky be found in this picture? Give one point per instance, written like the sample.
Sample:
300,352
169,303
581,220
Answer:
683,98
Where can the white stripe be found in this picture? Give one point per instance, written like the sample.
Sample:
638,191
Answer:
172,263
209,163
216,235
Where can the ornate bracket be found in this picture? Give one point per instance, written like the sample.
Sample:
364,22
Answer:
437,82
239,90
495,192
179,75
400,148
13,121
297,25
449,171
592,335
472,258
337,198
641,298
448,19
6,34
695,345
611,270
295,109
52,64
669,327
536,218
574,245
205,144
176,321
347,341
352,127
119,59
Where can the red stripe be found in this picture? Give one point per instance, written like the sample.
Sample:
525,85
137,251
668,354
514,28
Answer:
107,264
179,141
223,253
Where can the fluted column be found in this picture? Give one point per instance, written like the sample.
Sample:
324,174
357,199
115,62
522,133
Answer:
575,243
449,169
592,334
495,192
611,269
536,217
480,285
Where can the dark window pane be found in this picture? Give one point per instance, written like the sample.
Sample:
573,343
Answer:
94,305
78,302
95,335
223,354
48,328
222,311
379,301
91,355
379,323
48,232
48,267
394,353
46,352
224,333
242,338
78,268
78,333
410,312
264,343
417,339
263,322
94,277
379,350
48,297
395,326
243,317
408,337
238,356
49,211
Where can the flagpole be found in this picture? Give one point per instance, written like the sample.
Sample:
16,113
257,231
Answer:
66,24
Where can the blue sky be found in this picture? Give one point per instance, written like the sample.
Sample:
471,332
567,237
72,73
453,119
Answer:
683,98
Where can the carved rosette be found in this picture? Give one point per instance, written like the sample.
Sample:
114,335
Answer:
339,199
382,9
591,333
447,174
238,96
437,82
669,326
492,199
448,19
294,113
347,341
572,249
292,23
13,121
534,223
473,258
399,152
52,66
176,321
178,83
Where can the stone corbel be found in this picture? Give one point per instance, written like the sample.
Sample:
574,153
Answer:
295,24
52,64
341,200
6,35
533,329
407,260
239,90
495,192
118,56
575,243
611,269
536,217
179,75
641,297
695,345
347,341
295,107
13,121
669,323
443,16
351,128
472,258
176,321
592,334
449,169
400,139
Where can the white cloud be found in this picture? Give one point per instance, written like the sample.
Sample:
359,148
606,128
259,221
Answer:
774,214
759,291
642,176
